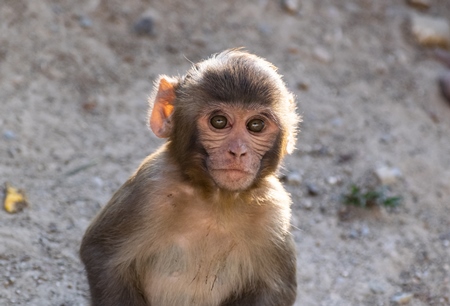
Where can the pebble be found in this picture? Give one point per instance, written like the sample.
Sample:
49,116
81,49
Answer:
334,180
312,189
265,29
376,288
291,6
52,227
444,236
444,84
322,55
386,138
420,4
9,135
402,298
381,68
145,26
353,234
199,40
97,181
388,175
303,86
430,31
85,21
345,158
337,122
365,231
294,178
307,204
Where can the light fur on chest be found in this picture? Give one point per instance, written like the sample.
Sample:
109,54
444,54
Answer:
205,251
208,254
198,269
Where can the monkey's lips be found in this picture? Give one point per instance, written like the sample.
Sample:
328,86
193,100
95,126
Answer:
233,173
232,179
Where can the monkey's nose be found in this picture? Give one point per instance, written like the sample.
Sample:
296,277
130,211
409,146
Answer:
238,150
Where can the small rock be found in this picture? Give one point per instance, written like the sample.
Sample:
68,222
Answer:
145,26
345,158
293,50
353,234
322,55
291,6
337,122
265,29
172,48
312,189
97,181
444,84
381,68
365,231
402,298
376,288
199,40
334,180
386,138
307,204
52,227
303,86
85,21
9,135
420,4
445,236
430,31
387,175
293,178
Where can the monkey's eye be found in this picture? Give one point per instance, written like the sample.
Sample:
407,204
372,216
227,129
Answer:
219,122
255,125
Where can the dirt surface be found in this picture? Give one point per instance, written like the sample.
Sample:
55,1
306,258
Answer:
74,80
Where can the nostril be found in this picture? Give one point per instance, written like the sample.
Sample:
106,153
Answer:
237,154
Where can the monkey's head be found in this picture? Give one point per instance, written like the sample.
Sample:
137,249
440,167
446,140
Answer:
229,121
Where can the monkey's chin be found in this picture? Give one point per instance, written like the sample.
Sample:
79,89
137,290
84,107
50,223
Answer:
232,180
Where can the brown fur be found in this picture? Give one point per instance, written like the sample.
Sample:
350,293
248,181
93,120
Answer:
171,235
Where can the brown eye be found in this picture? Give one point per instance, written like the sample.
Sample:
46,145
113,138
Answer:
255,125
219,122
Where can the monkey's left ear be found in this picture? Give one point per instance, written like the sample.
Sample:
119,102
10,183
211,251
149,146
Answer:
160,118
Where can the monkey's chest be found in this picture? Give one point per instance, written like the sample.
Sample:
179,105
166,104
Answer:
201,266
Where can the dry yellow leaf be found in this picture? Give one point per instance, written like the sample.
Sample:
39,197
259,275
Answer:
15,199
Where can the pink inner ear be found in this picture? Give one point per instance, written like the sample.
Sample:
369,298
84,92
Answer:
162,109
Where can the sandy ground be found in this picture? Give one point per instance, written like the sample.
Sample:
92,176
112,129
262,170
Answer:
74,79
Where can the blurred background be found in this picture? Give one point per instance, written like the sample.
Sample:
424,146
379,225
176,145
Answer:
370,179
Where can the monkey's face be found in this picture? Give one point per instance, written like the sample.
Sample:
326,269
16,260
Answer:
236,140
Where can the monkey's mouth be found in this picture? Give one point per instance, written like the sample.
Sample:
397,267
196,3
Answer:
232,179
232,172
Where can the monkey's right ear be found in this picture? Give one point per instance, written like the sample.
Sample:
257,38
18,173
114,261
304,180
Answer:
160,118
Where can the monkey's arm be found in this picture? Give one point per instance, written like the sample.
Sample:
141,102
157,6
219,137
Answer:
112,279
262,294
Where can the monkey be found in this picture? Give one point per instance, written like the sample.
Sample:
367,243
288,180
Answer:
204,220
